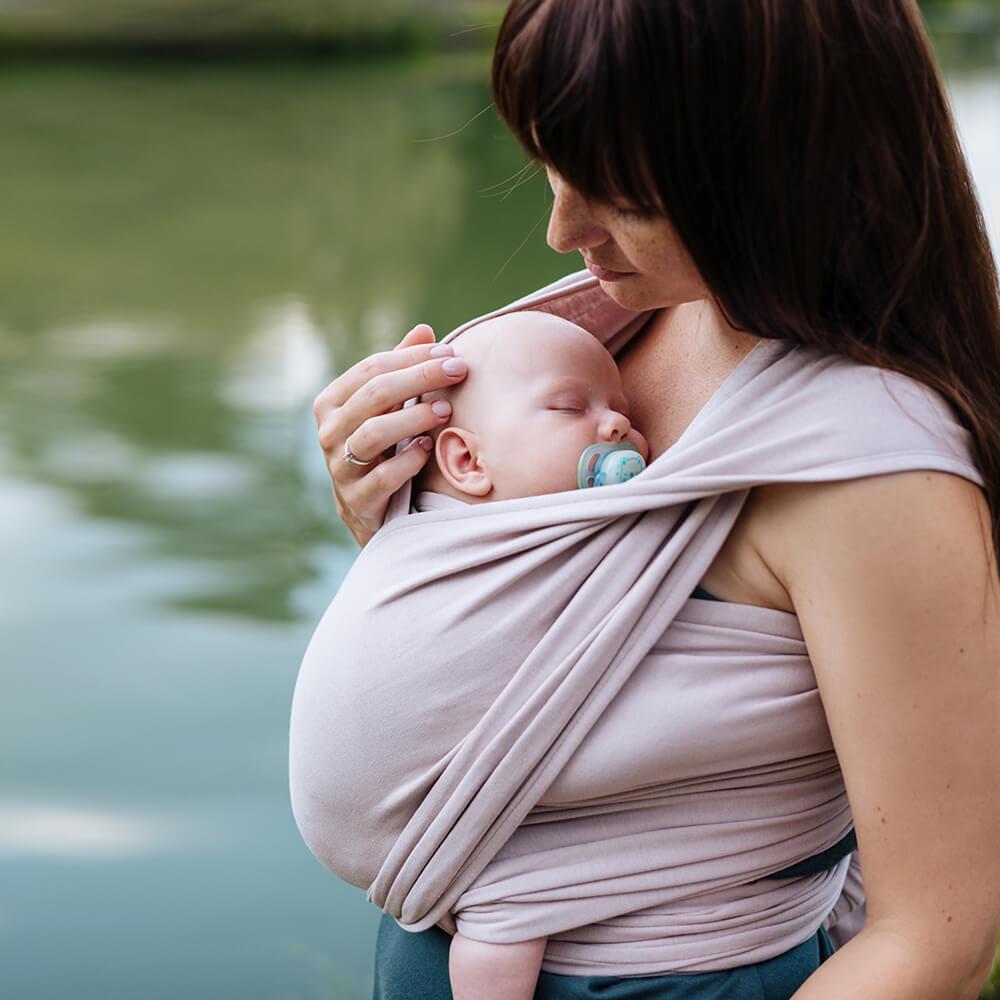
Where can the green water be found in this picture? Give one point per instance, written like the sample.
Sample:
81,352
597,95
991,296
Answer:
187,254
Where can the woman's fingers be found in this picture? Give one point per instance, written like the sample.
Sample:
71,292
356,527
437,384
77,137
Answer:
384,393
379,434
420,334
363,410
344,386
371,492
362,504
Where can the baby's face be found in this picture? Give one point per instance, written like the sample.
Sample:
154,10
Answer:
538,392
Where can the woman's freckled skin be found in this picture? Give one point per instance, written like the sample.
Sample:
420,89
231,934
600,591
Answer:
646,246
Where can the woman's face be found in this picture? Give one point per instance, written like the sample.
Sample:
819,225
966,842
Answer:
652,269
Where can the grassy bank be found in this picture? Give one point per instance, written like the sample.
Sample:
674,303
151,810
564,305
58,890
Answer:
252,28
248,26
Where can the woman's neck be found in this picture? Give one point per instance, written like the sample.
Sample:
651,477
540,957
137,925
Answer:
673,365
699,331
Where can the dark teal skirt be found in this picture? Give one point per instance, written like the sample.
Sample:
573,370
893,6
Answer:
415,967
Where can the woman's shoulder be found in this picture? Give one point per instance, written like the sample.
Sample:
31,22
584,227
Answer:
859,419
866,525
872,454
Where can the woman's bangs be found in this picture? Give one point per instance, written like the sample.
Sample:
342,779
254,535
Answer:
556,87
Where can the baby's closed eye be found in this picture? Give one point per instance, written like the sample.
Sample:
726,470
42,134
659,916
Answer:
572,404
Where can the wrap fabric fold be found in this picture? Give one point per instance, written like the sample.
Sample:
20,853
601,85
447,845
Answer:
514,713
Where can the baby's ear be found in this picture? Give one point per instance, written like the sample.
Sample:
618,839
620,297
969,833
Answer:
457,455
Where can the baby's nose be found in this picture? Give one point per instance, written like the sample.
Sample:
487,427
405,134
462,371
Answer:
615,426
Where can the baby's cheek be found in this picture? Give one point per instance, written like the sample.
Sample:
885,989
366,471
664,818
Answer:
547,463
554,472
565,464
542,457
643,444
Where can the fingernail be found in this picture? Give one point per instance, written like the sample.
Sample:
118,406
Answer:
441,408
426,444
442,351
454,366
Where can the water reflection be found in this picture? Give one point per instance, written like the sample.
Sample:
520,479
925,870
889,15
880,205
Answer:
176,292
73,832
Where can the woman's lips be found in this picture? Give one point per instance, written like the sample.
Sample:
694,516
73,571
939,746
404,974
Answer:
604,274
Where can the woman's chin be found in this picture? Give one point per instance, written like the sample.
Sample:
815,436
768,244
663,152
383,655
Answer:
633,293
640,295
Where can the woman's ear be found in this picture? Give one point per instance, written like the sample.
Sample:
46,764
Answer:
457,455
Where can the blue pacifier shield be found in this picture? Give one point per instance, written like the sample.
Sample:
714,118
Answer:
607,464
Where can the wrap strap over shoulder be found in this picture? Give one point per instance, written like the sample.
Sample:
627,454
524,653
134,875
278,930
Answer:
514,719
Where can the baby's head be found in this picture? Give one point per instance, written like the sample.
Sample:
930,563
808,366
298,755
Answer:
539,391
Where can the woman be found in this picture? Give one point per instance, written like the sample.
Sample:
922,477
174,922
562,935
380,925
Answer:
784,171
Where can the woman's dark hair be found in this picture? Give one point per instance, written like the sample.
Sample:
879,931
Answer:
805,152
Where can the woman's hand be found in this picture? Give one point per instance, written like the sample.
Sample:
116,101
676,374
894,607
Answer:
365,406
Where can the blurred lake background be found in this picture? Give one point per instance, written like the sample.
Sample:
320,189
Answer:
207,210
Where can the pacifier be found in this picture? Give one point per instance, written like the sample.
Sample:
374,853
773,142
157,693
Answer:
608,464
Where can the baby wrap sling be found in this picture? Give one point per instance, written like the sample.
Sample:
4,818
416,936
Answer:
512,717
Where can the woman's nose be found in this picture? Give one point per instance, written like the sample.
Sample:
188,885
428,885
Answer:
614,427
571,226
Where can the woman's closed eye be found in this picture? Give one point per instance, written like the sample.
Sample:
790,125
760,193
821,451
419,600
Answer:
627,210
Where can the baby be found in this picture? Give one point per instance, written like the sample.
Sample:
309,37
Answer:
539,393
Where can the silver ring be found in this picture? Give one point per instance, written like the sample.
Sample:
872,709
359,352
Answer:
349,457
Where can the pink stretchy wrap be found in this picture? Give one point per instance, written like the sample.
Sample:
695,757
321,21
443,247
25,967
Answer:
513,717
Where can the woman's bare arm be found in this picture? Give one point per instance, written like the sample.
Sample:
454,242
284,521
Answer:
894,583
